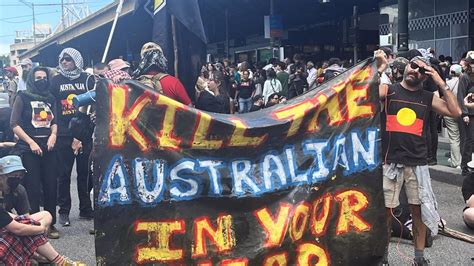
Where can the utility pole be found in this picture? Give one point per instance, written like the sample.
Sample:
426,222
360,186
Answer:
32,6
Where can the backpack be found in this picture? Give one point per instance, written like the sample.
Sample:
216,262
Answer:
153,81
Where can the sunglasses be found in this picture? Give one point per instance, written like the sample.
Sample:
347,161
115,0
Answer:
422,70
67,59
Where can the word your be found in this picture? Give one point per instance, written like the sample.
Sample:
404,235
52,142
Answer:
217,237
152,181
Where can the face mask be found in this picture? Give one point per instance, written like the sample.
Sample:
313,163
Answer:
13,182
41,84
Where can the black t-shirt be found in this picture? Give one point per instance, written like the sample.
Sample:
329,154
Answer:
404,127
468,187
64,91
35,117
5,218
245,88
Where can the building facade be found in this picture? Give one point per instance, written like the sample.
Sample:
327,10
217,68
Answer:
444,25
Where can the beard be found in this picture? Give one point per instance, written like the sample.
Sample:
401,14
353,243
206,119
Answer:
24,75
413,81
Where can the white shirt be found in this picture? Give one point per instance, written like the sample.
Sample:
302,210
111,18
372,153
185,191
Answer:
384,79
270,87
311,79
453,84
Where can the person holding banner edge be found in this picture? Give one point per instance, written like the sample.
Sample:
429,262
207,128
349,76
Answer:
406,105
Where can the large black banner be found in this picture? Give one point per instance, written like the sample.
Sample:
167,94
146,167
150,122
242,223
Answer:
299,183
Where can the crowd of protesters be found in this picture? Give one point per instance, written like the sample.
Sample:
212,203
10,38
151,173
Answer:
43,146
250,88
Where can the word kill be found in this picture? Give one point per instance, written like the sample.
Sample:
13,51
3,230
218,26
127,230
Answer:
273,171
346,101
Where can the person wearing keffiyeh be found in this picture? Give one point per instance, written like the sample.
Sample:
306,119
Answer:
152,71
70,82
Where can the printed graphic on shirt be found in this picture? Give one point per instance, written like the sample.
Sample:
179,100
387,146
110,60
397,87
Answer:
66,105
42,115
72,87
405,117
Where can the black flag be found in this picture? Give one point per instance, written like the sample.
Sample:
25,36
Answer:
189,39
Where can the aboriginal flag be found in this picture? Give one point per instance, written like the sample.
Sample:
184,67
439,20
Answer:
405,117
190,37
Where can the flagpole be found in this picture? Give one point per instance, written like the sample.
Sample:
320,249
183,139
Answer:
111,34
175,46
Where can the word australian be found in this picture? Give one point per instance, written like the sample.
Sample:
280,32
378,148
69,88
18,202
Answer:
344,102
153,181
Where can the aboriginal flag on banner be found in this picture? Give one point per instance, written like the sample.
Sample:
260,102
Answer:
190,37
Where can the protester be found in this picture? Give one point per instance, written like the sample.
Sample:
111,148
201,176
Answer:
273,99
33,121
298,75
152,71
22,238
335,68
452,124
202,82
100,68
312,75
26,66
283,77
271,86
385,77
70,82
209,99
257,103
118,71
466,125
12,83
468,195
398,69
245,92
406,154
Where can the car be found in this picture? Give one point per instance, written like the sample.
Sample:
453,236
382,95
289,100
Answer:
4,100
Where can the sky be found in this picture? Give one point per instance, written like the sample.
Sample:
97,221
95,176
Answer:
15,16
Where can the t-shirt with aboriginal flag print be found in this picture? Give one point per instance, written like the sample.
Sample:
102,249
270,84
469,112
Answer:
403,125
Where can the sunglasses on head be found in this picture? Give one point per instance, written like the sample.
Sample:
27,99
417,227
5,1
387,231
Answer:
67,59
422,70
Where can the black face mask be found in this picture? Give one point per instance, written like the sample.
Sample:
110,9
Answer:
41,84
13,182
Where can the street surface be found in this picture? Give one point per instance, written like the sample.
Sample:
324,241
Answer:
77,243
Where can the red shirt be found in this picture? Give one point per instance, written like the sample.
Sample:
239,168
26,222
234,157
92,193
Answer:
174,89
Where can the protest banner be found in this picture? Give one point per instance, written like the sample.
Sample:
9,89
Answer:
299,183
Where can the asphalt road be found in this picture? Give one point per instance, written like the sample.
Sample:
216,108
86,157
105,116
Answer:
77,243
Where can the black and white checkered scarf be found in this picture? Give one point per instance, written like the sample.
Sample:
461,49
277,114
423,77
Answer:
153,58
77,57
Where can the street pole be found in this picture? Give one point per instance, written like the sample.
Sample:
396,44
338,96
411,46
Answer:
227,33
403,26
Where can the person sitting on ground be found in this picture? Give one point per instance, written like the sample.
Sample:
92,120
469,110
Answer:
118,72
23,237
468,195
257,103
152,71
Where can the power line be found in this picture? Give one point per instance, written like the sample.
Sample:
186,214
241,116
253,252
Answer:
54,4
25,16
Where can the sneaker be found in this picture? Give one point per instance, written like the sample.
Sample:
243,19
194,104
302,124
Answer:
421,262
53,233
64,219
89,215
